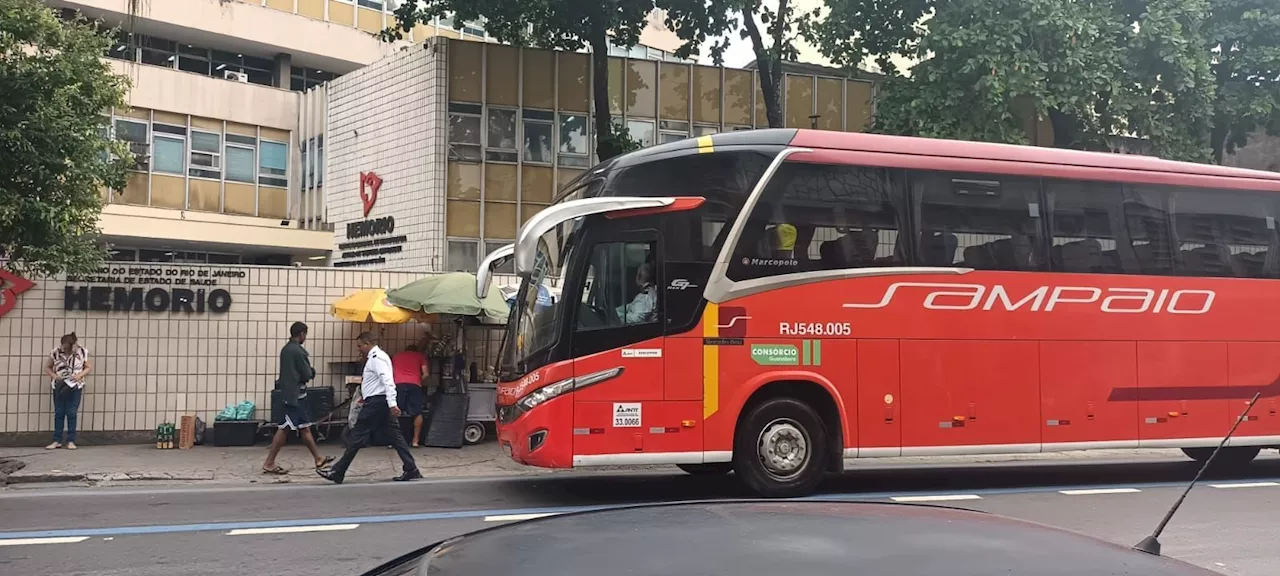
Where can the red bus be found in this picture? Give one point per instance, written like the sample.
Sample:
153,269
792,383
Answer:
772,302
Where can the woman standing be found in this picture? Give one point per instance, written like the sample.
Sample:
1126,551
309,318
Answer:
67,366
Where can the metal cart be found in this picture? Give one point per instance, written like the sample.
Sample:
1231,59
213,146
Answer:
482,411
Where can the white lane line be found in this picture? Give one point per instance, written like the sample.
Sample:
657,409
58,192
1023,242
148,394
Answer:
1245,485
59,540
516,517
292,529
1096,491
937,498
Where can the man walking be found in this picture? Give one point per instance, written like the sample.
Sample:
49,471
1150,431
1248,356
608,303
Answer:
378,411
295,371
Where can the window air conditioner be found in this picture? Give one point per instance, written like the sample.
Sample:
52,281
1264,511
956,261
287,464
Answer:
237,76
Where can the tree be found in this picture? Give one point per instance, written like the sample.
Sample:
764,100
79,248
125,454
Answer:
1246,65
56,154
1193,78
553,24
697,21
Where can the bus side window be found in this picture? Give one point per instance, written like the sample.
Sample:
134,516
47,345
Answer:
1084,218
622,291
1225,233
979,221
822,217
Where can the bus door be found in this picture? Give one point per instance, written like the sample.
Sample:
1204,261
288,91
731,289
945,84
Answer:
619,351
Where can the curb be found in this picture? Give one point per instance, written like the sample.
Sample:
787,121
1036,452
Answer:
48,478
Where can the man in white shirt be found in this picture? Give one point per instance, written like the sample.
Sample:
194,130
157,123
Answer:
641,308
378,411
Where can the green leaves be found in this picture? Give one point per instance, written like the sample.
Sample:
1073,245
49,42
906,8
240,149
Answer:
1193,78
55,151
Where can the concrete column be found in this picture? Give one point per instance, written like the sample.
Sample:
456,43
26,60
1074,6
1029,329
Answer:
283,68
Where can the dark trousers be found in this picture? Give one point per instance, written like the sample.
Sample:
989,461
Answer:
65,409
374,415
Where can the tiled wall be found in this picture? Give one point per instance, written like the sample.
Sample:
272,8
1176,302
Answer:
151,367
389,118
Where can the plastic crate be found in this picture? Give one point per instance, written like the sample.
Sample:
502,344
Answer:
235,432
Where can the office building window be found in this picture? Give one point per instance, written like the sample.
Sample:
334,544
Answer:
168,150
464,132
135,134
463,256
273,163
574,149
538,140
158,51
206,159
240,160
502,135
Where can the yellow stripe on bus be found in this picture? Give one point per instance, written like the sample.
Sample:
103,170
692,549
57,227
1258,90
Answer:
704,145
710,358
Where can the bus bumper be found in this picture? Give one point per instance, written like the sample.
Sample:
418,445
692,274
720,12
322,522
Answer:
541,437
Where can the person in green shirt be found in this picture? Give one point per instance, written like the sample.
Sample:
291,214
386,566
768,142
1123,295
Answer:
295,371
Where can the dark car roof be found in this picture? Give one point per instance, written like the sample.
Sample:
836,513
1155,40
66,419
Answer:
789,538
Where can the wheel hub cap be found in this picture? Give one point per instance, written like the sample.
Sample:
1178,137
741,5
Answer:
783,448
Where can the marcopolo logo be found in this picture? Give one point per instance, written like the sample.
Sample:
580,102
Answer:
775,354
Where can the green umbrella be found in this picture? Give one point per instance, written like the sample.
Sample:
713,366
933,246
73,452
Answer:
452,293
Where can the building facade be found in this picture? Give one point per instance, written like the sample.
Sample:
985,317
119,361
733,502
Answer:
469,140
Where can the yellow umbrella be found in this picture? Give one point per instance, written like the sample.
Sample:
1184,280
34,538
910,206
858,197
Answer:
369,305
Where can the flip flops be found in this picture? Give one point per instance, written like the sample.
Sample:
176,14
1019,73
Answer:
327,461
277,471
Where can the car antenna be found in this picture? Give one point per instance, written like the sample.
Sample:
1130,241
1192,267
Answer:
1151,544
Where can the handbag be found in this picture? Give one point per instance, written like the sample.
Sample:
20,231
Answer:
61,388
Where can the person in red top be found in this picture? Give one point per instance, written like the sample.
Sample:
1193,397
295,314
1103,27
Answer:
410,369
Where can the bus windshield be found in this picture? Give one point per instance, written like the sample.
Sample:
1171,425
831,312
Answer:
537,310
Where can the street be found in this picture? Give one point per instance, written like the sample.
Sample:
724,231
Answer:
1227,523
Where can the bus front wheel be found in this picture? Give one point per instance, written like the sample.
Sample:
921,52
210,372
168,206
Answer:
780,447
1229,457
712,469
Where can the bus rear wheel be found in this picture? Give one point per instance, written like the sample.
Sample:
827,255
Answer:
1228,457
712,469
779,448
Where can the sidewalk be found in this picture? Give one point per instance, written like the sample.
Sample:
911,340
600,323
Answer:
142,463
209,464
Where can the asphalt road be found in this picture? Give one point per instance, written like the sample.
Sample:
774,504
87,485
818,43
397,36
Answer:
1228,524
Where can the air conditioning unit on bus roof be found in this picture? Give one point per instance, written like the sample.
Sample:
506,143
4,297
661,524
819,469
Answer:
237,76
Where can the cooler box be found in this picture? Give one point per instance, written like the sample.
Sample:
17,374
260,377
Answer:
235,432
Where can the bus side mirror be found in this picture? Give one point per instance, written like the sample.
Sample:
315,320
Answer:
484,276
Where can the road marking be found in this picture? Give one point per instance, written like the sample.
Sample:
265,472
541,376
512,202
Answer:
292,529
1245,485
1096,491
517,517
25,541
936,498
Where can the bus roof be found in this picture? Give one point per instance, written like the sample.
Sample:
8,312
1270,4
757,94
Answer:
913,146
1009,152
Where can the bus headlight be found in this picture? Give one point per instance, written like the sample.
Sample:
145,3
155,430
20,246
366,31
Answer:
533,399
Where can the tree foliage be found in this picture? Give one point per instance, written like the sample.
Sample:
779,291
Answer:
1190,77
710,23
553,24
56,154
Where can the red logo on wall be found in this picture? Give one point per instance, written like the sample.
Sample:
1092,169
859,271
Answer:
369,185
10,287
